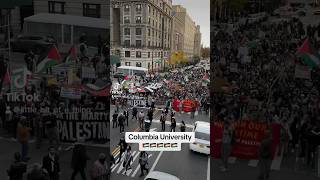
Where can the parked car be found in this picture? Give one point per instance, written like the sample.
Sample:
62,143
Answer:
156,175
38,44
202,137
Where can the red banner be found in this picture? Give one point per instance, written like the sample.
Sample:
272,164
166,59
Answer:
175,105
187,105
248,135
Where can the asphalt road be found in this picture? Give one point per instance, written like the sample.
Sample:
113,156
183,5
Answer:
184,164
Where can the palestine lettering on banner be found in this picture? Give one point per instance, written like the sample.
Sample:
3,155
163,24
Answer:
137,102
303,72
81,123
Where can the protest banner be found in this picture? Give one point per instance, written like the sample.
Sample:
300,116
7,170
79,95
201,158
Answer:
78,123
137,102
175,105
187,105
248,136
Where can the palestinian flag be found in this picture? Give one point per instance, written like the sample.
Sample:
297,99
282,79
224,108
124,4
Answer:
158,61
310,56
97,91
71,56
53,58
205,79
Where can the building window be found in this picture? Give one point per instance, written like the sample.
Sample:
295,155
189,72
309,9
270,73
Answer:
152,33
138,43
149,20
127,8
138,54
127,63
126,43
138,8
149,53
126,20
148,65
138,19
138,64
159,52
92,10
149,32
127,31
149,10
127,54
138,31
56,7
149,44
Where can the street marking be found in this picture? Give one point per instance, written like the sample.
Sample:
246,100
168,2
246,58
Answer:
121,167
232,160
115,150
253,163
156,161
169,123
208,169
276,162
153,130
130,170
137,169
116,165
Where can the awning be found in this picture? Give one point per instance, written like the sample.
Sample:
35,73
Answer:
114,59
10,4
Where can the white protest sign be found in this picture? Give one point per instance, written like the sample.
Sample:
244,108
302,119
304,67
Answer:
137,102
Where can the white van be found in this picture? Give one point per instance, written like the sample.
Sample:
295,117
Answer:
202,137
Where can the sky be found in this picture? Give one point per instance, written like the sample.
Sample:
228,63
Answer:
199,10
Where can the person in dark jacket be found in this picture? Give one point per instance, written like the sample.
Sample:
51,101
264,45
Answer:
37,173
121,120
173,124
123,147
265,156
135,112
126,114
79,160
114,119
150,114
183,127
17,169
51,164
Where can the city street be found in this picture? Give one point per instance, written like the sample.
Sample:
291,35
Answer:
185,164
